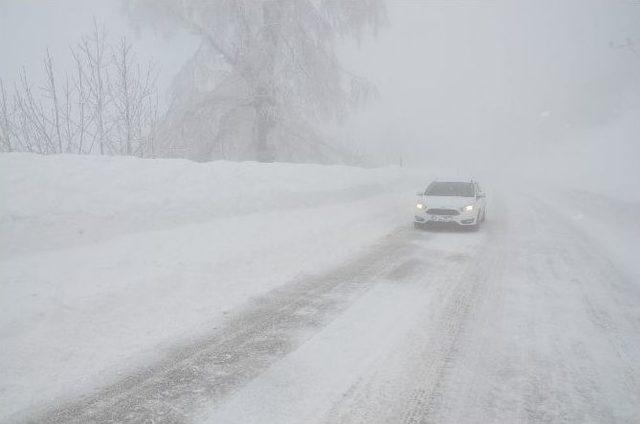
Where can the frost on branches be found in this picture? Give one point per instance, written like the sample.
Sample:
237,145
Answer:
265,83
106,104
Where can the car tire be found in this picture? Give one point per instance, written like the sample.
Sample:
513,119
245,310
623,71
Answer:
418,226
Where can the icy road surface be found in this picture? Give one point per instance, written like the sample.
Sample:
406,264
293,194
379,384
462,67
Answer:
528,320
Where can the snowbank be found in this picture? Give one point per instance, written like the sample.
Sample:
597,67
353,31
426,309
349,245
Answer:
603,160
106,262
61,201
610,223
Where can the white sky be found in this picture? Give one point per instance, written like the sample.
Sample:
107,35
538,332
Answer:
498,75
471,78
28,27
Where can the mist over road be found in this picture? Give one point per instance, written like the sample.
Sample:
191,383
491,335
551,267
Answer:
527,320
207,209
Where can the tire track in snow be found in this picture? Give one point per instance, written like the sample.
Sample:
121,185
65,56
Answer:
540,327
607,296
405,385
206,371
470,286
537,355
539,351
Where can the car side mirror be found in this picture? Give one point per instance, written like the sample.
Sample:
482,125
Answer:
420,193
480,196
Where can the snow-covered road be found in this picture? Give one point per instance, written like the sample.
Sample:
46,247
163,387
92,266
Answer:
528,320
312,314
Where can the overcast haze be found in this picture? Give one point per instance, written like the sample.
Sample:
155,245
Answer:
28,27
322,211
500,78
472,79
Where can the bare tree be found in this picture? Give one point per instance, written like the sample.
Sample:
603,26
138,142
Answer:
35,126
109,104
51,92
149,148
124,93
131,90
5,128
68,124
82,121
94,73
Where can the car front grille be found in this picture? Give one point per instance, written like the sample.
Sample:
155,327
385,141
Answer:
443,212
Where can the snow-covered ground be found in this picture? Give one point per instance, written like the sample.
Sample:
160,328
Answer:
531,320
170,291
108,262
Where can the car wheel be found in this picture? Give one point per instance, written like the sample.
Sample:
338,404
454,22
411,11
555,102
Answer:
418,226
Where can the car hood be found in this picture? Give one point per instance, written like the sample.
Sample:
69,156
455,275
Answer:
447,202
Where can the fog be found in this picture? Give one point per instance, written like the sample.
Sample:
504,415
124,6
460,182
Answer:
319,211
469,85
504,82
29,27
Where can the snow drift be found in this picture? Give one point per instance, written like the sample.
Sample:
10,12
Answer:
107,262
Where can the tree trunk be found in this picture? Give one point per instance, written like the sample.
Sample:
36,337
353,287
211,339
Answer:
263,126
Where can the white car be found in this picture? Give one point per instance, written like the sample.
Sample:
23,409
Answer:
456,202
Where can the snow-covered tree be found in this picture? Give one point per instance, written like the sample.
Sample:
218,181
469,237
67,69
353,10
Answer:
132,91
265,82
107,105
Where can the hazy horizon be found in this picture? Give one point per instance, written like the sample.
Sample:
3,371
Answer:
471,82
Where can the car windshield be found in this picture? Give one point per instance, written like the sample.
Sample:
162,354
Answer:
440,188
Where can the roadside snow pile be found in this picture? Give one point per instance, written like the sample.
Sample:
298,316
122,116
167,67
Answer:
610,222
106,262
61,201
603,160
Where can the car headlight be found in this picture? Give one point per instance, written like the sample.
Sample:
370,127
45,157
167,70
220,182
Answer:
420,206
468,208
